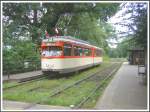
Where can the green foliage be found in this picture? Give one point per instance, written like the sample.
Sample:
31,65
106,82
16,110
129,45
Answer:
121,51
134,19
141,24
16,56
25,23
36,18
136,23
106,58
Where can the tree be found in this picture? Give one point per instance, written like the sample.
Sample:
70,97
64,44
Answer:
36,18
25,23
136,22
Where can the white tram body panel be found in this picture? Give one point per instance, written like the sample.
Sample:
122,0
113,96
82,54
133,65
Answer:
64,65
69,64
98,60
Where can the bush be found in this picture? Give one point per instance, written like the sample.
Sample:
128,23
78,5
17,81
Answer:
14,58
106,58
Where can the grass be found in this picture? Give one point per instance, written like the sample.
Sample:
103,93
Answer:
58,82
73,95
106,58
118,59
69,97
9,84
93,100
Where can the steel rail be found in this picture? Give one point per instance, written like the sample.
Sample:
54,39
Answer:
78,82
26,80
95,89
69,86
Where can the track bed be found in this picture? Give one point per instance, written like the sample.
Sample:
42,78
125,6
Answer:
74,91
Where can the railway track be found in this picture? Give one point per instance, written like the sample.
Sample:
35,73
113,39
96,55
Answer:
102,75
23,81
83,101
94,75
58,91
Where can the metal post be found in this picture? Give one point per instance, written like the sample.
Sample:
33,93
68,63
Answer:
8,76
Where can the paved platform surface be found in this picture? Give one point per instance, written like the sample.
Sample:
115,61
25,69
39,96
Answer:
15,105
125,91
22,75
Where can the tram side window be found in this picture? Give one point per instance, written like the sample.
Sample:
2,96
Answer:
98,53
67,50
87,52
76,51
80,52
95,52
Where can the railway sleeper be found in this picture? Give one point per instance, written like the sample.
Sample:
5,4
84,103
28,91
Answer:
95,89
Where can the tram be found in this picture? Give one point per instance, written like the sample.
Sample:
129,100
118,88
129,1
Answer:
64,54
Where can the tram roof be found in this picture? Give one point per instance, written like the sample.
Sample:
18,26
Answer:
70,39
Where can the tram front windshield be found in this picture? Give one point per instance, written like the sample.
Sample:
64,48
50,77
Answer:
52,51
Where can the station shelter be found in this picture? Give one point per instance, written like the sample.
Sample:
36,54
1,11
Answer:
136,56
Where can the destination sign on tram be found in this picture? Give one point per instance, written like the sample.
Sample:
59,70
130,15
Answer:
51,44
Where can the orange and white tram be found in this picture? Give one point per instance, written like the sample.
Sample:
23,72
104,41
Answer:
63,54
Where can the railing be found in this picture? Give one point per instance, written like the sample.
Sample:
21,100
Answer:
142,71
141,66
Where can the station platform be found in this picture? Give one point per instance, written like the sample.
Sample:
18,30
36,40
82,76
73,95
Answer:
125,91
21,75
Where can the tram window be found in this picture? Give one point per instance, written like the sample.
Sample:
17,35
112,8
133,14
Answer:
80,52
76,53
67,50
98,53
87,52
95,53
52,51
